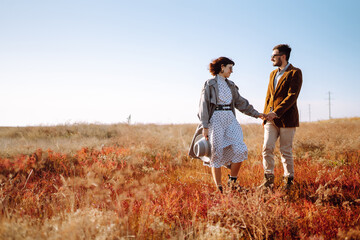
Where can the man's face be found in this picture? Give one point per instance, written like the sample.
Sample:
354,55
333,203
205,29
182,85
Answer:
276,58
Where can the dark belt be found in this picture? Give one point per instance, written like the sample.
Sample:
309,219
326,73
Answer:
223,107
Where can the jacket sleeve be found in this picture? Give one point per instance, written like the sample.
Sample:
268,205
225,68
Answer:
292,95
243,105
204,106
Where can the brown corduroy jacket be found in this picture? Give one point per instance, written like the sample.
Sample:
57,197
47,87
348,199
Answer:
282,100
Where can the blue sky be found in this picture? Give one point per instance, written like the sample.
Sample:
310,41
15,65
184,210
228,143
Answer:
100,61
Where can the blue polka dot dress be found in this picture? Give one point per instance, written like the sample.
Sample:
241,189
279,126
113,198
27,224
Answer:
225,133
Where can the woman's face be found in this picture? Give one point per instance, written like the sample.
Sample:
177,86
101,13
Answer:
226,70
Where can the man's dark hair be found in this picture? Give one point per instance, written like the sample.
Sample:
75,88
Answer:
284,49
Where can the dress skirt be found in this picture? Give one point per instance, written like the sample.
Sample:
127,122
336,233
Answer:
226,140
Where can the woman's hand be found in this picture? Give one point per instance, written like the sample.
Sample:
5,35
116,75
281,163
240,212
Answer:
205,133
263,116
271,116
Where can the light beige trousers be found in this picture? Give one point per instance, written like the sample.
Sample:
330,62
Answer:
286,135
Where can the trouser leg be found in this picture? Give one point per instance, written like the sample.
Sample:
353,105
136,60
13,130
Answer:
286,142
271,133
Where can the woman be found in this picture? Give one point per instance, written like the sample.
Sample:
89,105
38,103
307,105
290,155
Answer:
218,124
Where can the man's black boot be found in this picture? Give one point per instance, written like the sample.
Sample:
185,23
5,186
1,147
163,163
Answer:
288,181
268,181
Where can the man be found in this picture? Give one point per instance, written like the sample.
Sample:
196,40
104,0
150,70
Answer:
283,117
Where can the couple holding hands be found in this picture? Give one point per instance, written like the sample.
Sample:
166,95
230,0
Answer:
218,139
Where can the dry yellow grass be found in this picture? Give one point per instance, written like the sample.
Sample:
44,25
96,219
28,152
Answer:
313,138
137,182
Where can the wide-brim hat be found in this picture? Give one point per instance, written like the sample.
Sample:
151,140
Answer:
202,148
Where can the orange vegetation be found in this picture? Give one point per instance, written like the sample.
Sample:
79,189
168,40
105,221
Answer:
128,182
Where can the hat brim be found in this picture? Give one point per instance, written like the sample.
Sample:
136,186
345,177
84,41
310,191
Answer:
205,159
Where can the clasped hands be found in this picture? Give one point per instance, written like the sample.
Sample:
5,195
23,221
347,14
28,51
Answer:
268,117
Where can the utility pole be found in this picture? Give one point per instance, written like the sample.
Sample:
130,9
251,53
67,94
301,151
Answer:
309,114
329,105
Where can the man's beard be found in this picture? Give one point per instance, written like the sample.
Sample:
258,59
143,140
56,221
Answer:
277,64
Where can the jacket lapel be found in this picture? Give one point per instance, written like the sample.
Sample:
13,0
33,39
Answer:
282,79
213,83
272,90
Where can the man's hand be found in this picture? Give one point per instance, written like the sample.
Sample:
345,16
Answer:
205,133
271,116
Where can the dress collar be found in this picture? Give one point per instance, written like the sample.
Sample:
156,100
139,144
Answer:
220,77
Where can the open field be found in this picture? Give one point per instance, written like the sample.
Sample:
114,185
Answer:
137,182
